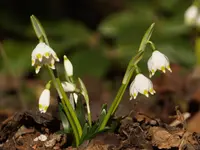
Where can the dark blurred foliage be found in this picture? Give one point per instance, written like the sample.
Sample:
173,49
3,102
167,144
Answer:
98,36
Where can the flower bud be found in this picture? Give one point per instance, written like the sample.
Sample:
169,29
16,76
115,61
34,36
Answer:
68,87
68,67
191,15
44,101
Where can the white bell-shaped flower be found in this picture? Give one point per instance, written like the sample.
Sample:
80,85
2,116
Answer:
44,101
43,55
158,61
141,84
68,87
191,15
68,67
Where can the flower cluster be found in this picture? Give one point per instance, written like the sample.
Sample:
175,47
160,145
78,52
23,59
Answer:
43,55
192,16
81,123
142,84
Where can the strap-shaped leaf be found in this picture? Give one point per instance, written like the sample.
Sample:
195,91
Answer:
103,113
63,117
146,37
131,65
86,97
80,111
39,30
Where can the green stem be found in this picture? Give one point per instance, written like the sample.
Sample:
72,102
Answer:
71,115
69,106
117,99
152,45
127,76
88,112
137,69
89,119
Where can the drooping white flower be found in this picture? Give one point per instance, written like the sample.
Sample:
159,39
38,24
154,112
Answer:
191,15
158,61
68,87
44,100
43,55
68,67
141,84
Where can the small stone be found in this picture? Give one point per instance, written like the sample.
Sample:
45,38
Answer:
50,143
42,137
35,139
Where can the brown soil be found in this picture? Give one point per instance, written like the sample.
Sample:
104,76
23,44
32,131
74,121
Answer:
153,124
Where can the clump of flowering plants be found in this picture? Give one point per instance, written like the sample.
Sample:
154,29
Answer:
75,118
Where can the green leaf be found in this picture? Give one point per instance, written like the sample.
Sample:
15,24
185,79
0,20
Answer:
103,113
169,4
92,132
18,55
85,132
80,111
146,37
88,62
39,30
63,117
64,34
84,91
126,25
86,97
131,65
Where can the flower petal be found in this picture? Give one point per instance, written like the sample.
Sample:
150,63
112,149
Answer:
37,69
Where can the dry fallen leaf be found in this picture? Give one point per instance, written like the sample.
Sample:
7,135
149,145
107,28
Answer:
168,139
163,139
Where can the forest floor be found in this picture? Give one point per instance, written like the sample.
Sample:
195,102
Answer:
169,120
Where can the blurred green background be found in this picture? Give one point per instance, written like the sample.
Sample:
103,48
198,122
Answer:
98,36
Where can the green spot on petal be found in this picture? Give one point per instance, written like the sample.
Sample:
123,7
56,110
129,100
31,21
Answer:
146,93
163,69
42,107
47,54
33,62
39,56
152,91
37,69
168,67
52,66
134,95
